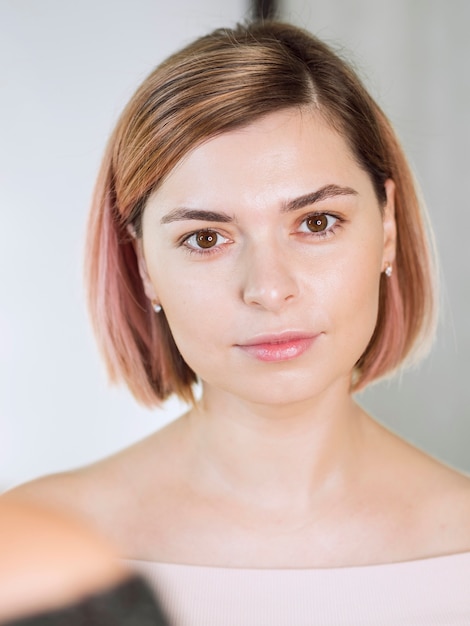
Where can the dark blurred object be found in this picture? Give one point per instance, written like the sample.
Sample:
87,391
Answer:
264,9
55,570
130,603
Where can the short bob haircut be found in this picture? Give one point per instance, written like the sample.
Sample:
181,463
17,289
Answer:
220,82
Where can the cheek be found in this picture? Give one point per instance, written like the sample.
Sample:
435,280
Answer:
357,296
195,305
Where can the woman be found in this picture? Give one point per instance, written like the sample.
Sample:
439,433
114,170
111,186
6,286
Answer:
255,227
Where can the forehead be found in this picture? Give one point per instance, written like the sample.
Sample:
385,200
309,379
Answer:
284,154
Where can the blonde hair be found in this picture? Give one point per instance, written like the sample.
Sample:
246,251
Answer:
220,82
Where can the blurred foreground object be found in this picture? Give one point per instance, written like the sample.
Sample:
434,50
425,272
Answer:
54,570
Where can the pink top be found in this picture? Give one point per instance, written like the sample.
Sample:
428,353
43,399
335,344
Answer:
427,592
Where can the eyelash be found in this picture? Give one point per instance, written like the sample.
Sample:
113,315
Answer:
329,232
201,251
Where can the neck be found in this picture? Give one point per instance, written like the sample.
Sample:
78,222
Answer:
282,455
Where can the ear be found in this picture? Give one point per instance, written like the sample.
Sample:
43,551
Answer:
144,275
389,224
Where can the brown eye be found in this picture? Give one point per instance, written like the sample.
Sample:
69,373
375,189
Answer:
317,223
206,239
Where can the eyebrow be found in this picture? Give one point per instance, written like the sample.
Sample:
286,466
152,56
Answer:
328,191
195,214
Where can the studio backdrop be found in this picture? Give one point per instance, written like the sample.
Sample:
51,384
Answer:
66,71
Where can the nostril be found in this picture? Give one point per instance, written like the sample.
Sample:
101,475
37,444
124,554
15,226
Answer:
269,275
272,296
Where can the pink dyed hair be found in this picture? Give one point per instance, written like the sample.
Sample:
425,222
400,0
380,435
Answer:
223,81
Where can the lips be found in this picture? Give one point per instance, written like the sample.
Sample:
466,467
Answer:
278,347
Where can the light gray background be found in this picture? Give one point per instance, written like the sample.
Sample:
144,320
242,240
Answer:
66,70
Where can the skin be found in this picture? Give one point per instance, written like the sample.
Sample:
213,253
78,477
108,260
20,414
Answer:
276,466
49,560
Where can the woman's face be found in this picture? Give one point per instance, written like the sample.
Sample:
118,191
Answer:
264,247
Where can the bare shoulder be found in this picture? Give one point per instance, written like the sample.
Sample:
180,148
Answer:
446,508
435,496
103,491
74,491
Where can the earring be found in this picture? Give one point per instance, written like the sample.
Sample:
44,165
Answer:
156,307
388,270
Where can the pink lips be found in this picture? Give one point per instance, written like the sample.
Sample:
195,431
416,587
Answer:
282,347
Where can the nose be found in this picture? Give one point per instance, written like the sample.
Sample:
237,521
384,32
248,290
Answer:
270,281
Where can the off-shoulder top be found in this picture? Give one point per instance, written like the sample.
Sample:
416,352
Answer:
427,592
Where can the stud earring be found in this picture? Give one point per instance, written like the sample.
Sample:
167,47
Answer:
388,270
156,307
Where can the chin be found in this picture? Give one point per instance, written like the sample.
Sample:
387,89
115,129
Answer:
292,390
